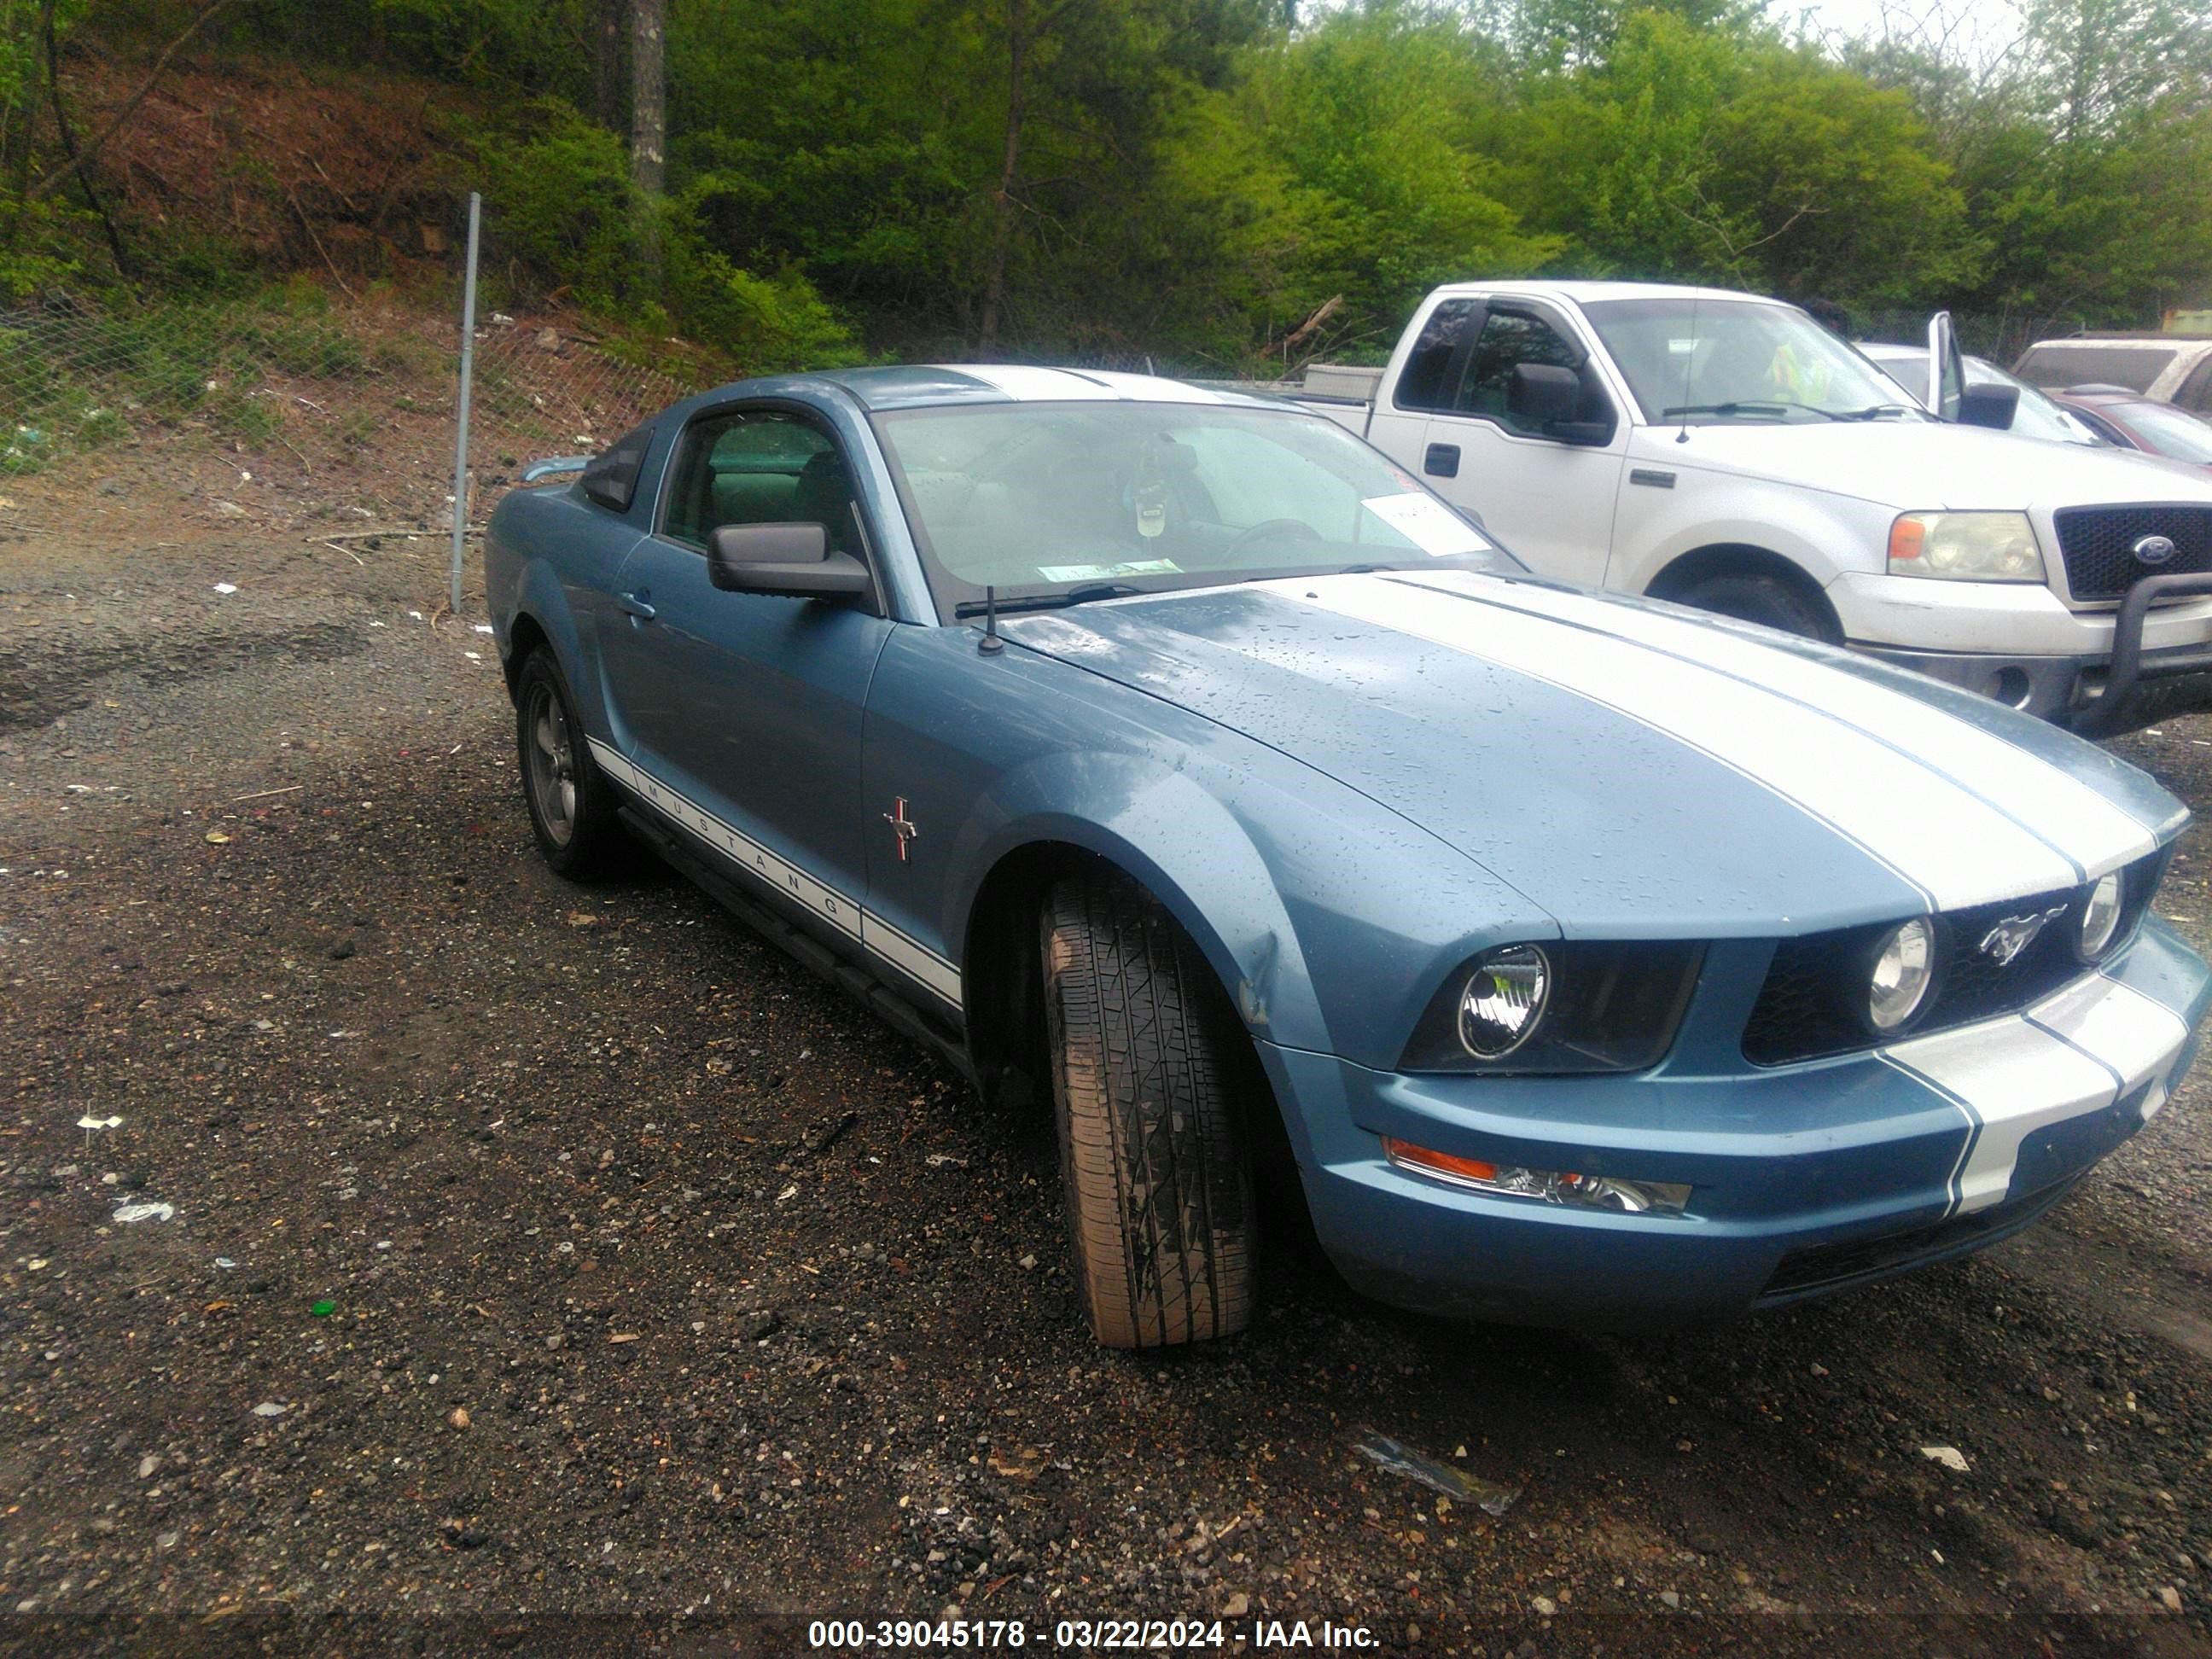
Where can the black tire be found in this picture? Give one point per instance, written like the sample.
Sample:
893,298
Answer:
572,804
1146,1058
1767,600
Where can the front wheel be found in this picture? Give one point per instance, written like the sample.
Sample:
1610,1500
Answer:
1145,1066
1768,600
572,804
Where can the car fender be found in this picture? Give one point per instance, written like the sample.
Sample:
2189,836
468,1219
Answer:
1252,866
545,554
1822,535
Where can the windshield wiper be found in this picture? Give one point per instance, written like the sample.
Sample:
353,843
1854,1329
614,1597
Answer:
1081,595
1876,411
1759,405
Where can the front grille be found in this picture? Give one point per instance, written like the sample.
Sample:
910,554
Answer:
1810,1006
2098,543
1823,1266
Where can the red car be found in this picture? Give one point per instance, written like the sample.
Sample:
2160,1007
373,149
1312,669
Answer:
2134,422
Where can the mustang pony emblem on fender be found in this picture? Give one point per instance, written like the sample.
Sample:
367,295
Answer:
901,826
2004,941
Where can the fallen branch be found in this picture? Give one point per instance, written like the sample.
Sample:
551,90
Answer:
264,794
128,109
305,225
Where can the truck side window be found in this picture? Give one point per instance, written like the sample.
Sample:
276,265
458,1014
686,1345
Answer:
1507,339
1426,382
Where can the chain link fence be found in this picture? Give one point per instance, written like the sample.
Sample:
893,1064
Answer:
347,401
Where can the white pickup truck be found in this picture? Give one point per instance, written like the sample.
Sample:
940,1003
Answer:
1727,452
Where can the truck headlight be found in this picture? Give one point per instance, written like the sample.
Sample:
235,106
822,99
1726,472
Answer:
1974,547
1565,1005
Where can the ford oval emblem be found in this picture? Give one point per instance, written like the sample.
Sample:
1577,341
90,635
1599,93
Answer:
2152,550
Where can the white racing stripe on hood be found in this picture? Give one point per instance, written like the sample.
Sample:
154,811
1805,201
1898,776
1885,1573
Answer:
2067,813
1955,848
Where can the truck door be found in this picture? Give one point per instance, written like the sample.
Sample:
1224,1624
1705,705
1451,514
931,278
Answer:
1549,498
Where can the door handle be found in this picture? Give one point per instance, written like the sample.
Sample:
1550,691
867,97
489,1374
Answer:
636,605
1441,461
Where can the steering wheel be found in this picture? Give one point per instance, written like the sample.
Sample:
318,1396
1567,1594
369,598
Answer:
1296,529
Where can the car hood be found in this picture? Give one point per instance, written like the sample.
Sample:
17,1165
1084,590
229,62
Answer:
1634,768
1908,466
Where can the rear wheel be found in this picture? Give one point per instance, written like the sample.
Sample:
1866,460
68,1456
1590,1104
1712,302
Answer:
1768,600
572,804
1146,1062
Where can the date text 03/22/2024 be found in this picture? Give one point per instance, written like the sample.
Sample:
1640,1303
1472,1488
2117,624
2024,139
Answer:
1090,1635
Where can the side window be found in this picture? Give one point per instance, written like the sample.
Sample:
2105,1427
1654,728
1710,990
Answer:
2195,393
611,478
759,467
1509,338
1426,381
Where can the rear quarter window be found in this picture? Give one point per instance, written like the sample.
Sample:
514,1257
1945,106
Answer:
611,478
2061,366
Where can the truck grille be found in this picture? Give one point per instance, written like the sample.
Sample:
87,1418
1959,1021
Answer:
2098,543
1809,1006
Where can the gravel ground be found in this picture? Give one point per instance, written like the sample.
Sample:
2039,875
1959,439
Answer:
554,1269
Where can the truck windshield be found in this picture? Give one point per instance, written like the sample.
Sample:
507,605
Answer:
1058,502
1732,360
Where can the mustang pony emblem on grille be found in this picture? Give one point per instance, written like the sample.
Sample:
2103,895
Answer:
2015,934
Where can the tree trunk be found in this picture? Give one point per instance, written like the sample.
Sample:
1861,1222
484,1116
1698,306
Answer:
648,130
1002,224
648,90
610,65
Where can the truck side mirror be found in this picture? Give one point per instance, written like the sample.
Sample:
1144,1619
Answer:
1546,397
1993,406
1541,394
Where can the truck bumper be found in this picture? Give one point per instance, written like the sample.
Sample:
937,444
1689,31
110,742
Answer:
2098,672
1803,1179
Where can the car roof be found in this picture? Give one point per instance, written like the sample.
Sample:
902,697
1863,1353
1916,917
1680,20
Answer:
1585,291
923,385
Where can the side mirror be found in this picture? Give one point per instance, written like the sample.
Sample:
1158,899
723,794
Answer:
1993,406
791,559
1540,395
1946,370
1545,398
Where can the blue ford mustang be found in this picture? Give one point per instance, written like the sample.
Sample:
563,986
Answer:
1173,758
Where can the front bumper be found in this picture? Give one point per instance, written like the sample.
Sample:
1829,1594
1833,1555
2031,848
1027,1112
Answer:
1805,1178
2098,673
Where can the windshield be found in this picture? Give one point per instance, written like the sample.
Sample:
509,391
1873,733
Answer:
1733,361
2036,417
1038,499
2168,430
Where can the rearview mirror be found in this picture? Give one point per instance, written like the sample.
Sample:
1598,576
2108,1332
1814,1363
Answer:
791,559
1993,406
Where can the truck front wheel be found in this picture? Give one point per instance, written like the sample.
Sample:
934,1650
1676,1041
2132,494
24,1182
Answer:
1767,600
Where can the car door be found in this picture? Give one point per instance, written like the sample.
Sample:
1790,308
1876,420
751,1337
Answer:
1552,502
742,712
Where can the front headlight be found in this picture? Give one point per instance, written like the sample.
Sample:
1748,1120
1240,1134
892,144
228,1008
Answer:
1562,1006
1903,973
2100,915
1975,547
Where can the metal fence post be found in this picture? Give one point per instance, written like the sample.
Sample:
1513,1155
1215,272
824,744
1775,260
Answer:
461,427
